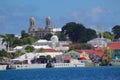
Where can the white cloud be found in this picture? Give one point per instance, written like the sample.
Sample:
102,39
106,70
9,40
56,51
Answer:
95,14
97,10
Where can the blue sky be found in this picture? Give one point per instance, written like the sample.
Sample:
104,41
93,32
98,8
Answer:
15,14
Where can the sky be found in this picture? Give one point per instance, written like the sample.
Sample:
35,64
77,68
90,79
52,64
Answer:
15,14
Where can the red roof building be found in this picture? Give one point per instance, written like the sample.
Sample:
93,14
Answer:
87,51
95,52
115,45
67,57
50,50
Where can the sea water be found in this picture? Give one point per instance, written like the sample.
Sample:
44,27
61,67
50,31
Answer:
78,73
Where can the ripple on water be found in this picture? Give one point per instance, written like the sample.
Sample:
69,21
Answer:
81,73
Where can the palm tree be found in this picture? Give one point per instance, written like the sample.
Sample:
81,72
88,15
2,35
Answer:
18,53
8,39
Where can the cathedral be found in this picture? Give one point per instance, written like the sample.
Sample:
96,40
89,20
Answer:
40,32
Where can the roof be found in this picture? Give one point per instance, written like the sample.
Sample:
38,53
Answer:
41,41
96,40
42,46
56,29
87,51
96,52
71,44
50,50
18,47
115,45
67,57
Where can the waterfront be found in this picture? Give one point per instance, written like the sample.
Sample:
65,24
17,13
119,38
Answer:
80,73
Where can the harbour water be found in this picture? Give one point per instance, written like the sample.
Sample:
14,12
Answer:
78,73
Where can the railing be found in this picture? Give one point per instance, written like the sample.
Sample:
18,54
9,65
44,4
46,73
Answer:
31,66
55,65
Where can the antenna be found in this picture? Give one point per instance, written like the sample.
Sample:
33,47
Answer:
100,36
100,31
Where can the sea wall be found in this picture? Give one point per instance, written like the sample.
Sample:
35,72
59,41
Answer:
2,67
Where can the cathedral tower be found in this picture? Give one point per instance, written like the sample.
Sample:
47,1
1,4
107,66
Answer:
48,27
32,27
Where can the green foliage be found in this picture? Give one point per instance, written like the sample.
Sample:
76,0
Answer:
17,42
40,50
72,48
90,34
48,57
81,46
8,39
13,41
62,37
3,53
47,36
85,46
18,53
116,31
24,34
78,32
108,35
29,49
26,38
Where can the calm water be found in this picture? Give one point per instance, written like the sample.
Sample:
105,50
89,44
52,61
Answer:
83,73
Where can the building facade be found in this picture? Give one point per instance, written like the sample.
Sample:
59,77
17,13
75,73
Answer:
40,32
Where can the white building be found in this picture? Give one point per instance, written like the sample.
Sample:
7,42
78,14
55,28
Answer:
53,48
99,42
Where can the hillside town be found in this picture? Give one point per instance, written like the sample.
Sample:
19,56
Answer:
98,51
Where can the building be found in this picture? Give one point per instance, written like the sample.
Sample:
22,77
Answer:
99,42
54,48
40,32
115,47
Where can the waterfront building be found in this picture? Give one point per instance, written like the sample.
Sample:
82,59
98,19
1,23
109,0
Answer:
114,49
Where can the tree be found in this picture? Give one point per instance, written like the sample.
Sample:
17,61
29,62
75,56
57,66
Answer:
73,31
24,34
17,42
116,31
48,57
4,53
62,37
82,46
18,53
29,49
48,36
8,39
78,32
108,35
90,34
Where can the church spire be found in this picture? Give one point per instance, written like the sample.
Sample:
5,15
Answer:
48,27
32,27
48,22
32,22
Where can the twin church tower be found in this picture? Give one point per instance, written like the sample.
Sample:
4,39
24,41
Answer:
40,32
